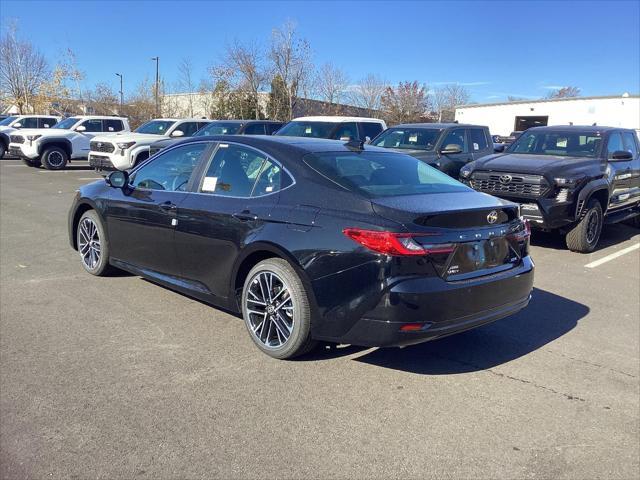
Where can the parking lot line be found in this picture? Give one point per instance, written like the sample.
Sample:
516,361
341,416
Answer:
613,256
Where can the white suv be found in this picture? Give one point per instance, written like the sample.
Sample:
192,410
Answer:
68,140
336,128
125,150
15,122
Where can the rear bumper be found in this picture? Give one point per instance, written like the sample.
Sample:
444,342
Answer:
439,308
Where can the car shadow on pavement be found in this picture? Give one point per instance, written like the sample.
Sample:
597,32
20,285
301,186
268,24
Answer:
547,318
611,235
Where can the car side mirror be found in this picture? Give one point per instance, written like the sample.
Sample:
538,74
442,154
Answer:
451,149
118,179
620,156
177,133
17,125
81,128
499,148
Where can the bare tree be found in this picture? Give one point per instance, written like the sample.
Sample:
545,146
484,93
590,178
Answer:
408,102
290,58
103,100
186,82
447,98
331,84
246,61
62,92
367,93
564,92
22,70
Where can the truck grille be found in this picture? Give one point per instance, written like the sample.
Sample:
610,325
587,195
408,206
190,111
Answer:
104,147
17,139
517,185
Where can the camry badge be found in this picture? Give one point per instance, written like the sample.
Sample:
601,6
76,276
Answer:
492,217
505,179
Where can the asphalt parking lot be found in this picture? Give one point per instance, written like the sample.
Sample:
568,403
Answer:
119,378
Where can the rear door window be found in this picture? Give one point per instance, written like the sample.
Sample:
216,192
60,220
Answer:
233,171
113,125
46,122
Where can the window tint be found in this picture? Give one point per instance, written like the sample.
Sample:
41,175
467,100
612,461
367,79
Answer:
92,125
170,171
347,131
629,143
29,122
233,171
254,129
371,129
46,122
113,125
615,143
565,144
478,139
307,129
273,128
455,137
408,138
270,179
188,128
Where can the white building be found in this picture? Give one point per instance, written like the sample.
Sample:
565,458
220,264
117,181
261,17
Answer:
504,118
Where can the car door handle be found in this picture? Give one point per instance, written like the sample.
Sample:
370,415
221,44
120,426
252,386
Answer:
245,216
168,206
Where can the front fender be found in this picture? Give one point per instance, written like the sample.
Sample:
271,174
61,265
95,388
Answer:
587,191
42,144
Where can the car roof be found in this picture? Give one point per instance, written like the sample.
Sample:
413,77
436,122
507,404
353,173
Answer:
36,116
96,117
436,125
582,128
336,119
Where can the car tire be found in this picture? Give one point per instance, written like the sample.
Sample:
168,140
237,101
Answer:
89,232
276,310
31,163
54,158
584,236
3,150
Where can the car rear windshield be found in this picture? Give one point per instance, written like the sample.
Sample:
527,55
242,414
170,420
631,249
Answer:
408,138
381,174
7,121
66,123
559,143
218,128
155,127
308,129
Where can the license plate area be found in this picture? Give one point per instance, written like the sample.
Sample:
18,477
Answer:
480,256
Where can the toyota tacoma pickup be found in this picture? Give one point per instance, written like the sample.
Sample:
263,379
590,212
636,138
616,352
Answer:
568,178
10,124
128,149
66,141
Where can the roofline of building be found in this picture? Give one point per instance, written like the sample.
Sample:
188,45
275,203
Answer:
544,100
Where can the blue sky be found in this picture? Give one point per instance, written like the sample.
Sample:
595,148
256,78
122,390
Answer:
494,48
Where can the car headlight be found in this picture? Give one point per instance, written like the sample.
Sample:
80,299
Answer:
465,172
31,138
125,145
566,181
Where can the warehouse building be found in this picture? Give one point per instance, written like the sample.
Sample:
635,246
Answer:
504,118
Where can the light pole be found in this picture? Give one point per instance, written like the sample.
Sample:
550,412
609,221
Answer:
157,60
121,91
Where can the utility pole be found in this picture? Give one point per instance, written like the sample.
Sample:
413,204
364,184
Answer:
157,60
121,93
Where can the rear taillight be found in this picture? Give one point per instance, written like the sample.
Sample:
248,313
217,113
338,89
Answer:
391,243
524,232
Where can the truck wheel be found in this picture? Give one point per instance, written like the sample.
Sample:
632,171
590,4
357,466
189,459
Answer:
31,163
584,236
3,150
54,158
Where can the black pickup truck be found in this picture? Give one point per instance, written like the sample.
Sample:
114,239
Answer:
568,178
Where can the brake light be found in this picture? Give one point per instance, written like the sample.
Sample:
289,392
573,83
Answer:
391,243
525,232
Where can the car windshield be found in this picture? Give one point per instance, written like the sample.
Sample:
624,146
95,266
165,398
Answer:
382,174
408,138
218,128
558,143
308,129
7,121
66,123
155,127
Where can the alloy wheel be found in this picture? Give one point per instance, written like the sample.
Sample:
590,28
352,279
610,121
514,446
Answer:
55,159
270,309
89,243
593,222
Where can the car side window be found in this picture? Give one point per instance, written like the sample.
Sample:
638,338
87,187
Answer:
455,137
347,131
478,139
254,129
271,179
188,128
113,125
170,171
273,128
233,171
92,125
615,143
630,143
29,122
46,122
371,129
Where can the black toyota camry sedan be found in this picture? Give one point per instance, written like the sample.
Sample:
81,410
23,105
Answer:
310,240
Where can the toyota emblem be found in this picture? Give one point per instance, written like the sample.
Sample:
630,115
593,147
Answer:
505,179
492,217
